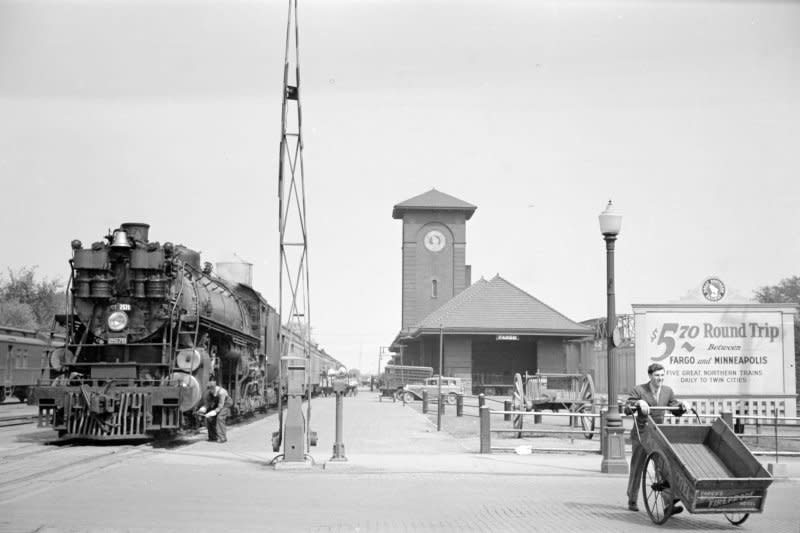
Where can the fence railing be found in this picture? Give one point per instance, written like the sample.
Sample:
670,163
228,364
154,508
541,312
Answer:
763,435
759,442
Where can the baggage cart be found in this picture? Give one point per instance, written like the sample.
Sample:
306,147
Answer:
706,466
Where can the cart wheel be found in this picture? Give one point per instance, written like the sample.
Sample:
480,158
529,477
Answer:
408,397
452,398
587,422
736,519
586,393
655,481
517,403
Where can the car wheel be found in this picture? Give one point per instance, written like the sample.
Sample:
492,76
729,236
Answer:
452,398
408,397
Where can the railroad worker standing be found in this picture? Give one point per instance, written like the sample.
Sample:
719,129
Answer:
216,407
653,393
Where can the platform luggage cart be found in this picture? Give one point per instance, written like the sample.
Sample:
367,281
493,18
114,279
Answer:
573,392
706,466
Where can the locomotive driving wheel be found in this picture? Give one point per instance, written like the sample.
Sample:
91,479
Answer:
655,488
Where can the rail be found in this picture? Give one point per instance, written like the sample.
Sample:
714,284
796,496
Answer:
16,420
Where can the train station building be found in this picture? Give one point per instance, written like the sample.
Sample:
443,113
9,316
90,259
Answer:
488,330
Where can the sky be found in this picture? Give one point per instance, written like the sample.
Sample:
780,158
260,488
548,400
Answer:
685,113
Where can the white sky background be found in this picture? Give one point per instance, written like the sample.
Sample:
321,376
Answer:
687,114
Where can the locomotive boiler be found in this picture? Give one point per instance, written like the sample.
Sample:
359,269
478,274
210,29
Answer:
147,327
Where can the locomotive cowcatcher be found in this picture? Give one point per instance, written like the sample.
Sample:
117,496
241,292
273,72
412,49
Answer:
147,328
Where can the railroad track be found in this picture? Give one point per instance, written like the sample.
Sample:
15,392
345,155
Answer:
17,420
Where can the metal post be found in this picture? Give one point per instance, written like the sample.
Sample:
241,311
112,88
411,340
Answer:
481,400
506,408
441,373
460,405
486,438
338,446
424,402
442,404
614,450
776,434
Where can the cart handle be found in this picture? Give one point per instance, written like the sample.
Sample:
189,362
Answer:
658,408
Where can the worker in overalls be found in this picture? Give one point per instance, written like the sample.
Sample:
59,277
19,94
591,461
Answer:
215,408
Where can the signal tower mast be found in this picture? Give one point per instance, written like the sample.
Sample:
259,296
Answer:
295,303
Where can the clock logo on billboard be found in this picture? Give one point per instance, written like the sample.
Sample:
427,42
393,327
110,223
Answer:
713,289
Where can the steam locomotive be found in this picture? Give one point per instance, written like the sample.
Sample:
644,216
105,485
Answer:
148,327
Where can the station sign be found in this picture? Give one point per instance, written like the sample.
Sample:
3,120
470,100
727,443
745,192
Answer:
507,338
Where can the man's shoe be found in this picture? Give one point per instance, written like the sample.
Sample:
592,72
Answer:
676,509
222,440
632,506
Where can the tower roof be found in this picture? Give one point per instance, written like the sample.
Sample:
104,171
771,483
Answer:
433,200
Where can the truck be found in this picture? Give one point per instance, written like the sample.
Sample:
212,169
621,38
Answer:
396,377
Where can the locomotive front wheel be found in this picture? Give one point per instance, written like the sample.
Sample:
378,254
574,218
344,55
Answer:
736,519
655,488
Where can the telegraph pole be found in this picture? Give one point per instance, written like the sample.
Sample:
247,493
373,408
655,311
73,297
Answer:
293,284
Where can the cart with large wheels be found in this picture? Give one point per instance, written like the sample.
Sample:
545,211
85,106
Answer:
705,466
573,392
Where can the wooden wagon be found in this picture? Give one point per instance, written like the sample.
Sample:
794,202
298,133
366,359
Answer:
551,391
706,466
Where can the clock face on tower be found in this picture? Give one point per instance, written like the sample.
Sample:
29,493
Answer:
434,240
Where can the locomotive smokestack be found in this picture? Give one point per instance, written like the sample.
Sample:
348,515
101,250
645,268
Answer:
137,231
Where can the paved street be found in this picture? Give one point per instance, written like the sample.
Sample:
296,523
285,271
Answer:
401,476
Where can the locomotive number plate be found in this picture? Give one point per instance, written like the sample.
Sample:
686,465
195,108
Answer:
117,340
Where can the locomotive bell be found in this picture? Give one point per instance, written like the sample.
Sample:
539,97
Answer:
120,239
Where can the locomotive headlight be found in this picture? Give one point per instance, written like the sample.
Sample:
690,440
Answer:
117,321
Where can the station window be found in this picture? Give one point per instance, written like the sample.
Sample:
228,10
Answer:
434,288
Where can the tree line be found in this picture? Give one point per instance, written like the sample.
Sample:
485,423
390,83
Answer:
30,302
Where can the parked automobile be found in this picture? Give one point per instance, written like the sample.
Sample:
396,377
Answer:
451,388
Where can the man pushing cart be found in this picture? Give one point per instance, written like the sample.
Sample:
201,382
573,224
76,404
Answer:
706,466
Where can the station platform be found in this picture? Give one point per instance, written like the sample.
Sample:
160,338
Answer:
386,436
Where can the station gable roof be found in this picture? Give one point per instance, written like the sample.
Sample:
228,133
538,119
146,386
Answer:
498,307
433,200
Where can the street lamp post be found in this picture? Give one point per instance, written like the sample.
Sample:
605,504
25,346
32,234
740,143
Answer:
613,443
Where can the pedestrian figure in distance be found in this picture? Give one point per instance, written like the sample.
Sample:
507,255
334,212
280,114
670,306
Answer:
642,397
216,407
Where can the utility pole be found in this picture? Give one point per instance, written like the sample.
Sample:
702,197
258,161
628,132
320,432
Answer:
293,284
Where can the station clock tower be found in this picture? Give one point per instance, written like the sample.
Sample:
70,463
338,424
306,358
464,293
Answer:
434,252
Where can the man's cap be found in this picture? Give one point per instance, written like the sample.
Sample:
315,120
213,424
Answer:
212,383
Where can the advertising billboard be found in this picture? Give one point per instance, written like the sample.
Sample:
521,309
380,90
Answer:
728,351
720,353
